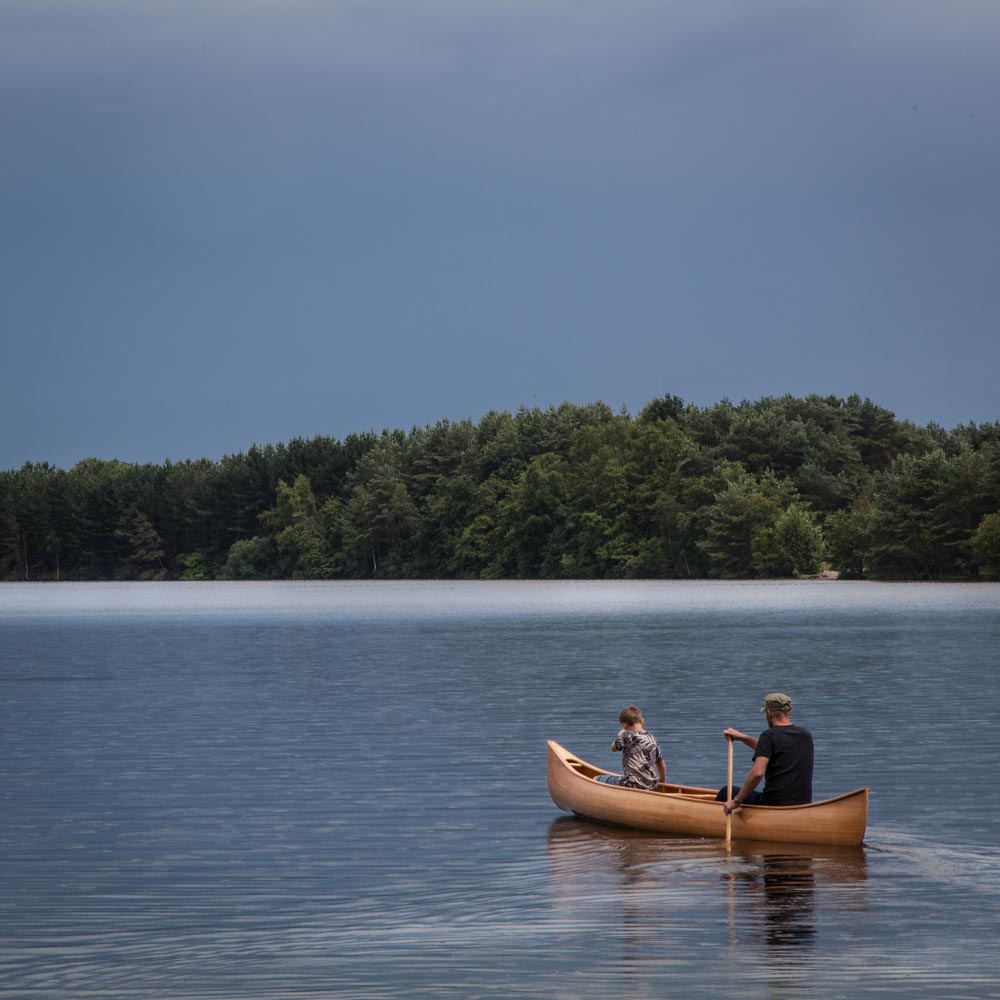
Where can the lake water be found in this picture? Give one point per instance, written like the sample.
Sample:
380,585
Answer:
308,790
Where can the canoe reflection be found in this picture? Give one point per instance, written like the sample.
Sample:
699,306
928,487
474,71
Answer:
767,892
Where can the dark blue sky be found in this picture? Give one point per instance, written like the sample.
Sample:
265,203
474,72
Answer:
228,223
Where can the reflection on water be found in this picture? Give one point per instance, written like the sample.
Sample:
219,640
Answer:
788,889
649,888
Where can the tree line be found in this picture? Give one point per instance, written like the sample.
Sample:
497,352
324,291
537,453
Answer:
775,487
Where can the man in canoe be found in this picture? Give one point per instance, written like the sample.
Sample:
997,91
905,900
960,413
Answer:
783,757
641,757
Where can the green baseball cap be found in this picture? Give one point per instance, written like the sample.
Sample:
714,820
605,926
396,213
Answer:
777,702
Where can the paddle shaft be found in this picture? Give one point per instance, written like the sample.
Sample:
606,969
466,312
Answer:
729,790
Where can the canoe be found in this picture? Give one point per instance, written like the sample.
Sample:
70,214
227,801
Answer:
689,811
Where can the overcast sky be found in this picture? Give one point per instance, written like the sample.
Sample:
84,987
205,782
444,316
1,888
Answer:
227,222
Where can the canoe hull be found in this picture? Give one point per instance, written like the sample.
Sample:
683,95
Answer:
689,811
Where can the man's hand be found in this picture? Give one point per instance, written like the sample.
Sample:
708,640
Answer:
731,806
735,734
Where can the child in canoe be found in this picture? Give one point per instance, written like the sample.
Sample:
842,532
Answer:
641,757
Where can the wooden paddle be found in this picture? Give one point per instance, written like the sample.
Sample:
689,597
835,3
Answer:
729,791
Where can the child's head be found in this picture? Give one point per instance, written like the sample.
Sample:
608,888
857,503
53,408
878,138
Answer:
630,716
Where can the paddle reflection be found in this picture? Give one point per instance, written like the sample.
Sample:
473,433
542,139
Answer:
771,893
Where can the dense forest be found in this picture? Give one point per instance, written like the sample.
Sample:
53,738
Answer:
771,488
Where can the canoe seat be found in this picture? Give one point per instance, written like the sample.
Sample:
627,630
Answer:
691,793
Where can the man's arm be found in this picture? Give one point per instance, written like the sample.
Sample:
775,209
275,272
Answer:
751,781
662,768
735,734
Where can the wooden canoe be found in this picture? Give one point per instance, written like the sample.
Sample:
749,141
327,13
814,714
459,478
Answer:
687,811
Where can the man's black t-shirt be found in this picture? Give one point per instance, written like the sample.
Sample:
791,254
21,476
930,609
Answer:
789,753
